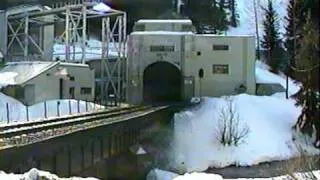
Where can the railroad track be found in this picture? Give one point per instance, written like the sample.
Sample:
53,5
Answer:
19,134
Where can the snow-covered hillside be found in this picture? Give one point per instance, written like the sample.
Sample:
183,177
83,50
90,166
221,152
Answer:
245,9
269,119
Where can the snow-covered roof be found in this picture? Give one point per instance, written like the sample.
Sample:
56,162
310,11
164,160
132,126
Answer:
161,33
20,72
14,73
101,7
165,21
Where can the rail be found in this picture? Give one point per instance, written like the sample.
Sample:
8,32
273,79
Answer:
26,133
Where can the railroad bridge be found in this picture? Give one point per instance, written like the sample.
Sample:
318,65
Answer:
73,145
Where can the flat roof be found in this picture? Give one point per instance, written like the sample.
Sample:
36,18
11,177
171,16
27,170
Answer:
162,33
165,21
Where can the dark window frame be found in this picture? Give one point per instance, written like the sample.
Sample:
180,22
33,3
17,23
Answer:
220,69
85,90
220,47
162,48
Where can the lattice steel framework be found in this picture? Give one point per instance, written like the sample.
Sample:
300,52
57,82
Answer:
75,16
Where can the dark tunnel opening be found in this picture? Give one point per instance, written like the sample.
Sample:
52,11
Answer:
161,83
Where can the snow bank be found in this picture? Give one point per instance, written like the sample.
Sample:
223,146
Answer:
34,174
270,119
263,75
17,111
158,174
166,175
298,176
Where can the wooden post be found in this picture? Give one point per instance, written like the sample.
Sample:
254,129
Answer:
70,111
8,115
45,109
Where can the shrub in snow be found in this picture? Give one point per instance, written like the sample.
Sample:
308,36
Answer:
230,130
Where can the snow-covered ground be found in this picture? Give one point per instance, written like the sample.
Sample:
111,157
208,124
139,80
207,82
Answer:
245,8
35,174
17,111
269,119
157,174
263,75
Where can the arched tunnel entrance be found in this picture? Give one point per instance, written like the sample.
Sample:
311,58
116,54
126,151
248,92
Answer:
161,83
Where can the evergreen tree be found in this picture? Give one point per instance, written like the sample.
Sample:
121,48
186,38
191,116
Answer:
308,63
234,18
290,35
207,16
271,38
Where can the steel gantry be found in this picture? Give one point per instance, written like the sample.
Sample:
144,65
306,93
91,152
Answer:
33,33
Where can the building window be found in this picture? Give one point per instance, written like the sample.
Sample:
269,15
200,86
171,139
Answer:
160,48
220,69
85,90
71,78
220,47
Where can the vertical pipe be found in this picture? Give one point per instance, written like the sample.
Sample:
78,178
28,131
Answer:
84,32
67,43
26,38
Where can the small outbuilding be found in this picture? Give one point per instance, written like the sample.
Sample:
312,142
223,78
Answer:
32,82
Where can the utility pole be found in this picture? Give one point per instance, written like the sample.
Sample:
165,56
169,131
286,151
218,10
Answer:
257,27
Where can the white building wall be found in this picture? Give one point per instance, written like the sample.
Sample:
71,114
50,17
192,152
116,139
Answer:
47,84
238,58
